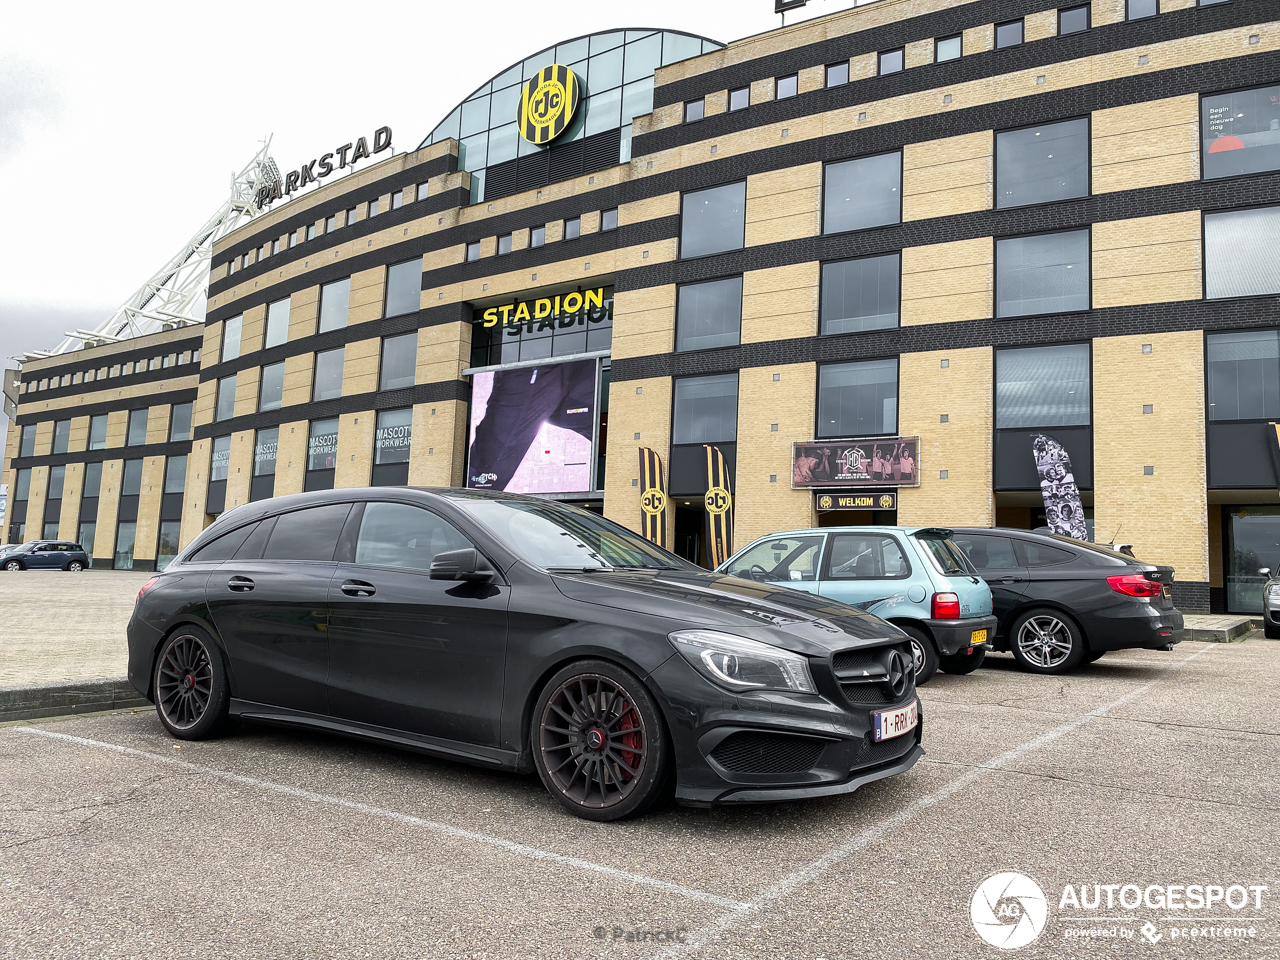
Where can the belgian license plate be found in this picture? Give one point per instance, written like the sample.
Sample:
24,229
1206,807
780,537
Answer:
894,723
977,637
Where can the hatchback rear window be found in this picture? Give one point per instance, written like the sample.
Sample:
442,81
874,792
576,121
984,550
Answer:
946,556
224,547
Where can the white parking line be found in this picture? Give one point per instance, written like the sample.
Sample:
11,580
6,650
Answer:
517,849
870,835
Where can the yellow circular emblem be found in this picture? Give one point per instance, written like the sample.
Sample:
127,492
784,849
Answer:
824,502
717,500
653,502
886,501
548,103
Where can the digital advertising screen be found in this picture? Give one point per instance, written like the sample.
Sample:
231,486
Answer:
532,428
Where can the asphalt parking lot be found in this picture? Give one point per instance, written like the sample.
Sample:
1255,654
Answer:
1146,768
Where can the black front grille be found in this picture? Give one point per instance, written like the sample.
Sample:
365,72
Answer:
865,677
874,754
751,752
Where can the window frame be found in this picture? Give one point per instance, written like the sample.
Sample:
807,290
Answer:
535,242
578,229
822,272
1088,164
777,82
476,247
1088,19
315,369
604,225
822,217
509,238
953,36
1204,255
699,107
995,385
817,397
1208,407
747,90
1022,33
1200,124
737,409
880,70
995,272
262,379
684,194
382,360
217,390
826,75
675,348
1149,16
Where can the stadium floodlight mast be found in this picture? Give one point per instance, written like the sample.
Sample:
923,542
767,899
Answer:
175,292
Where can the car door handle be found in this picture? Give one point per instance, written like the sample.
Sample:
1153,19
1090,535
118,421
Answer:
358,588
1009,580
240,584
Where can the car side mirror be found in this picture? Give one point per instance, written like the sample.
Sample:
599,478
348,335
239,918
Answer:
465,564
1264,571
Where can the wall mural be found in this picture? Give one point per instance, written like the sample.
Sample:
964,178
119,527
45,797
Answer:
1063,510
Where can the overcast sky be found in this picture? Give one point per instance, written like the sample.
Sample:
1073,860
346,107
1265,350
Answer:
121,124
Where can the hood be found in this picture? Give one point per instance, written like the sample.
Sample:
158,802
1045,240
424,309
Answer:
791,619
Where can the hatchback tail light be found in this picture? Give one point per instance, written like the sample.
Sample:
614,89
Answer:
145,587
946,606
1135,585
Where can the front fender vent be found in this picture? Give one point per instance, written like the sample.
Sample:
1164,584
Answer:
750,752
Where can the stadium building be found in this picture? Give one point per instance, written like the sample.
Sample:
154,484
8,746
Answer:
918,261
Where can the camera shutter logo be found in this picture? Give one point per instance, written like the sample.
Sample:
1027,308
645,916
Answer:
548,103
1008,910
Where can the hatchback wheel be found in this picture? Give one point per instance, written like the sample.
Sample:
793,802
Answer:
192,693
75,566
12,566
1046,641
923,653
599,742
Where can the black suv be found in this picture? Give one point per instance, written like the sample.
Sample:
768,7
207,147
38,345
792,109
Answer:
44,555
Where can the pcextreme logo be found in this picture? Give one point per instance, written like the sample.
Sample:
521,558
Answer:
548,103
1008,910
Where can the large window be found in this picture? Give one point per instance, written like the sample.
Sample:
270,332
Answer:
1045,273
265,444
335,299
709,314
138,427
231,338
175,475
57,482
22,487
27,445
1240,132
862,193
1042,164
179,424
399,361
713,221
404,287
277,323
1243,370
271,389
322,445
328,379
861,294
1073,20
131,481
167,544
1240,252
858,399
220,462
392,437
92,480
61,436
1141,9
706,409
548,326
125,535
98,431
224,407
1042,387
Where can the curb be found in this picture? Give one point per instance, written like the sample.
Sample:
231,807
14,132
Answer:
69,697
1232,633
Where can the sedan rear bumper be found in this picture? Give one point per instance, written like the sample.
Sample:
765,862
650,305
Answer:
1136,625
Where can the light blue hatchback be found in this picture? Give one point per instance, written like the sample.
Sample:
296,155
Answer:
914,577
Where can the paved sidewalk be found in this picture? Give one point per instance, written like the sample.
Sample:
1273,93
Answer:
57,627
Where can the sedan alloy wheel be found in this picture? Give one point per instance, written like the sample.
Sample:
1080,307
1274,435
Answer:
1045,642
191,690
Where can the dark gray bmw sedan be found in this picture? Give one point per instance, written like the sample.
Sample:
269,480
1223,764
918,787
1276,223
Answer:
522,634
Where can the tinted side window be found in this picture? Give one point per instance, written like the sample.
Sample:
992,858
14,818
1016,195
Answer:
400,535
224,547
867,557
310,534
1042,555
988,553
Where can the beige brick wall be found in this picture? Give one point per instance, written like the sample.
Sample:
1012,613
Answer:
360,367
253,330
1146,144
240,468
367,290
963,390
1040,25
944,177
946,282
247,381
647,413
1147,260
439,444
72,490
784,204
919,53
298,372
147,532
304,312
197,488
354,465
1164,515
104,542
780,303
291,457
444,351
644,322
764,500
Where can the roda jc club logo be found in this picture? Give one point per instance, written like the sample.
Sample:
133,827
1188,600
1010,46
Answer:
548,103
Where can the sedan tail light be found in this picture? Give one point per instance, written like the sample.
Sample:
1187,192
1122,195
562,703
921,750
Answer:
946,606
145,587
1135,585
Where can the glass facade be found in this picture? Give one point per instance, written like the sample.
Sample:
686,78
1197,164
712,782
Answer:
858,399
1240,132
1042,164
231,338
404,287
1243,370
714,220
393,435
271,389
328,376
335,300
277,323
861,294
616,71
125,535
862,193
1043,387
1240,253
179,424
264,452
706,409
322,445
1046,273
553,325
399,361
167,544
709,314
220,462
224,407
98,430
138,424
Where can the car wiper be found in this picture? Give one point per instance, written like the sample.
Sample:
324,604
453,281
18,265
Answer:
575,569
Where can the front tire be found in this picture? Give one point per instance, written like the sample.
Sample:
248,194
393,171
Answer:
923,652
1046,641
599,742
191,688
963,663
13,566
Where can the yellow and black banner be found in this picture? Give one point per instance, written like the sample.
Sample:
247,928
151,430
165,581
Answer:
653,498
719,503
548,102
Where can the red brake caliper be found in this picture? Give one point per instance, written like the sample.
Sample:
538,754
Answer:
630,721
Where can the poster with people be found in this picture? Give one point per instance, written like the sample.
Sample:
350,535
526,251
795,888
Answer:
877,462
532,428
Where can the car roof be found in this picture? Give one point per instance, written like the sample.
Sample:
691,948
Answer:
861,528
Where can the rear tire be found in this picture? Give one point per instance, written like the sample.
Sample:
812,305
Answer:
191,688
599,742
1046,641
1271,631
963,663
75,566
923,652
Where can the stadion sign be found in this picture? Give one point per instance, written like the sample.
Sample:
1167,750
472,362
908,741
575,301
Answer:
315,171
845,464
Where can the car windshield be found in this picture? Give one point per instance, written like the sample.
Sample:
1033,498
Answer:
554,536
946,556
25,548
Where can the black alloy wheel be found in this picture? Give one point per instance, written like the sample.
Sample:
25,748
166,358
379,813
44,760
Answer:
191,690
599,743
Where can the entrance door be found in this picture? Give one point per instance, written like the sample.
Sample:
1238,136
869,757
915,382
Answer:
1252,540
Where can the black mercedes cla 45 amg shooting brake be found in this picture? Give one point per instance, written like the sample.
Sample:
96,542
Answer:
522,634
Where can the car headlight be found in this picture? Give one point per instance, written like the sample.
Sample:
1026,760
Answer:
1273,590
739,664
